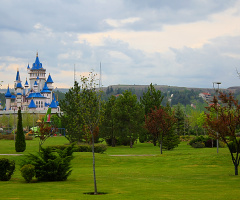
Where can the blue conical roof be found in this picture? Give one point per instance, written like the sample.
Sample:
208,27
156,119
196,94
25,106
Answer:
35,83
19,85
8,93
53,96
53,104
49,80
32,104
35,95
45,89
28,67
26,83
37,65
18,76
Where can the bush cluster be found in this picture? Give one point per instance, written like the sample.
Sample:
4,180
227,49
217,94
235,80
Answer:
11,137
203,141
50,165
98,148
7,168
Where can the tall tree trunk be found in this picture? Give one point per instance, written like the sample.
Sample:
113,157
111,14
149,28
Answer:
94,173
113,142
131,143
236,167
154,141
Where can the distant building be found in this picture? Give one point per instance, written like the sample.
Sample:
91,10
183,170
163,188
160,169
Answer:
205,96
36,94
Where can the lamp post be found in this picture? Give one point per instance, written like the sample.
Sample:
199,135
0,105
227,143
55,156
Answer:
217,91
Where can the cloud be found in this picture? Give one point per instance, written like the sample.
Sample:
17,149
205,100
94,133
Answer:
185,43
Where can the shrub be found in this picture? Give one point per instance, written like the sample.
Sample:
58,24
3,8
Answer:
198,145
170,141
98,148
28,172
11,137
7,168
51,165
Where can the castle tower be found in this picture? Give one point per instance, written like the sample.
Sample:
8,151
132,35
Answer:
8,96
35,86
19,90
50,84
46,93
26,85
37,71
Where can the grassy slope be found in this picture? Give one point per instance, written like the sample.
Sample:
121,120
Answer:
184,173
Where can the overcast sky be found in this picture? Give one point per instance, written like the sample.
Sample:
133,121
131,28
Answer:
189,43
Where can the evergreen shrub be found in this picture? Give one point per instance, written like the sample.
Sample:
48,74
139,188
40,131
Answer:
98,148
51,165
28,172
20,143
7,168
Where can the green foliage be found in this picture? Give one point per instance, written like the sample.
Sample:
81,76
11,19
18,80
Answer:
50,165
98,148
198,145
205,140
232,145
108,127
20,144
11,137
151,99
72,118
180,116
28,172
171,140
129,116
7,168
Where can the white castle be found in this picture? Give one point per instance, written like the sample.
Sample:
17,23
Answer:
36,94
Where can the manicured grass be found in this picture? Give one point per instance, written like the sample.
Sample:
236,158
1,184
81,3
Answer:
143,173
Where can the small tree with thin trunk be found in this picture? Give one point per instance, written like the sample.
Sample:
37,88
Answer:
222,122
90,111
160,123
20,143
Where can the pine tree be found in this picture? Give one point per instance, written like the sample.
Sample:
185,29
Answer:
20,144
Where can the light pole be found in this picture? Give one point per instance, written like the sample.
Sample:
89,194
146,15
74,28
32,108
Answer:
217,91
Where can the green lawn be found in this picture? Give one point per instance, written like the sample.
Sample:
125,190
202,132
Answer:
183,173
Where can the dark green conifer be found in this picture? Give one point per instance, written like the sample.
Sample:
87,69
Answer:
20,143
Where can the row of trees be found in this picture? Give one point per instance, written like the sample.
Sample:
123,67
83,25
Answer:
10,121
123,118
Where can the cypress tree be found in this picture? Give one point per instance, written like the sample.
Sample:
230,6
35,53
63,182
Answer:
20,143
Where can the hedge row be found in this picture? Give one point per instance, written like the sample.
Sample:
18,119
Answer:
98,148
11,137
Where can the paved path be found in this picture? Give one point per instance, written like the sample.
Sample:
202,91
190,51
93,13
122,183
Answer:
11,154
134,155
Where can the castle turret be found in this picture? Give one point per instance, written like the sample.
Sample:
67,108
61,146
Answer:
8,96
19,89
26,85
46,93
37,71
35,86
32,105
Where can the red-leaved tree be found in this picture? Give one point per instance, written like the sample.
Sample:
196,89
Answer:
159,123
223,122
